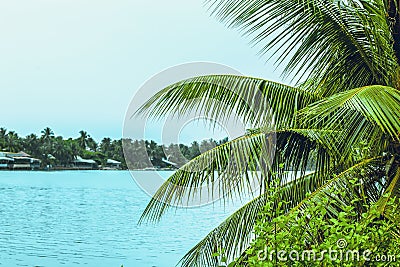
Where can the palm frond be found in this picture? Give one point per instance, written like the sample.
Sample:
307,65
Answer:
219,171
366,115
364,181
220,96
393,190
233,169
359,187
235,233
339,45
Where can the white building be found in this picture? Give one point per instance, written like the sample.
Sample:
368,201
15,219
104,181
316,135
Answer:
85,164
113,164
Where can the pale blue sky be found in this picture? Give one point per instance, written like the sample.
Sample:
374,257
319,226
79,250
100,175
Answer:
74,65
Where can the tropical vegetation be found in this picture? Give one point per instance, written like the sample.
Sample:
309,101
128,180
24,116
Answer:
343,112
314,240
59,151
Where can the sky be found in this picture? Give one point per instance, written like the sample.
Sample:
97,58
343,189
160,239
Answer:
76,65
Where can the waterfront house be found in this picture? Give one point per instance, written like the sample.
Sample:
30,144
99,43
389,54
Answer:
6,162
22,163
84,164
35,163
25,163
19,161
113,164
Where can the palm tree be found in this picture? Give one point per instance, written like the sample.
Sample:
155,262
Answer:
47,134
83,139
343,115
62,152
3,134
31,144
152,149
47,145
73,146
105,145
92,145
13,142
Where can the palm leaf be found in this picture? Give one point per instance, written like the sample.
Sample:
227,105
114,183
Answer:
393,190
220,96
235,233
232,169
363,181
359,186
339,45
367,118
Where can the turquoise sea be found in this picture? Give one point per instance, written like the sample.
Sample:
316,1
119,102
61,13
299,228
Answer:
89,218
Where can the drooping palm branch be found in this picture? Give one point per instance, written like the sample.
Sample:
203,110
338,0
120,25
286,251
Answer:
220,96
293,147
235,233
334,46
339,45
234,168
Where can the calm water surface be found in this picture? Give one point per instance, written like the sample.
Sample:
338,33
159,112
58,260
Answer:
89,218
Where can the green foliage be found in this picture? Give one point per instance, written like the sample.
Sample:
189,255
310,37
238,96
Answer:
341,122
222,259
221,96
65,150
314,238
337,45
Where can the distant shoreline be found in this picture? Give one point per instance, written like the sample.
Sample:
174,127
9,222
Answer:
48,151
76,169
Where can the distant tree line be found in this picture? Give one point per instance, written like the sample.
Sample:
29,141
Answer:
154,153
57,151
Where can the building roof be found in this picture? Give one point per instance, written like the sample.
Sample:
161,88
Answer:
14,154
169,162
78,159
31,159
23,154
111,161
6,158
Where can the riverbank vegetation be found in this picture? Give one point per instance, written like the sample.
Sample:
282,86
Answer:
59,151
344,107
